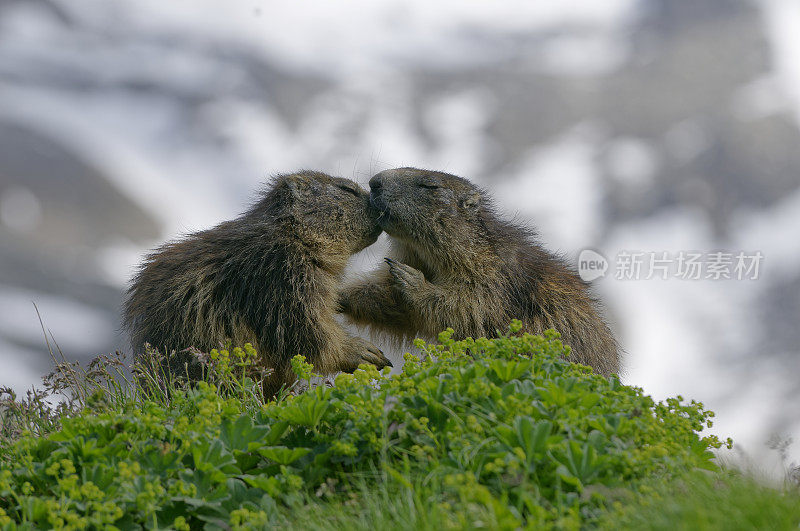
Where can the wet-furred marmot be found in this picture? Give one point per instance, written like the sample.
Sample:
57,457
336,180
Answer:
456,264
269,277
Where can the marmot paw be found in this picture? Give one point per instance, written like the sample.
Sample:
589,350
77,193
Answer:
366,352
406,278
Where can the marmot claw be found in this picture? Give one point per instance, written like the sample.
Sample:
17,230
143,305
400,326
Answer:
405,277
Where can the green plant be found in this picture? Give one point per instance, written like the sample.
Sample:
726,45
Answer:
502,432
725,500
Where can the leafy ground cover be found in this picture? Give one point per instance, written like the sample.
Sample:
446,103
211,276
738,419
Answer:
500,434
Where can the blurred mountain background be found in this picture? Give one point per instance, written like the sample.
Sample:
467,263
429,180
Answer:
646,125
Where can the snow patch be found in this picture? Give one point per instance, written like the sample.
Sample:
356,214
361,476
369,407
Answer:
348,37
781,20
75,326
632,161
559,188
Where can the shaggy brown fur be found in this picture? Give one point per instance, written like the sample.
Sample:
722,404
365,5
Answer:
456,264
269,278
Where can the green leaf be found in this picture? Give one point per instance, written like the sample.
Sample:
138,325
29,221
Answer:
283,455
240,434
305,411
214,456
532,436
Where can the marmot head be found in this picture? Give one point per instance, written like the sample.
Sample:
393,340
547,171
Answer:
330,211
422,207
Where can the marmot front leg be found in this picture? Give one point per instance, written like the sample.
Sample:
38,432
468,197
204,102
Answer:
374,302
430,304
411,284
339,351
407,280
358,351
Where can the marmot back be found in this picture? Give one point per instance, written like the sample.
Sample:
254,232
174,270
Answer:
269,278
456,264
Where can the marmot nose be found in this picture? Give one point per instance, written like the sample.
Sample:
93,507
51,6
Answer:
375,184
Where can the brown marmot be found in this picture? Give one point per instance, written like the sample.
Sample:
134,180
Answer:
456,264
269,277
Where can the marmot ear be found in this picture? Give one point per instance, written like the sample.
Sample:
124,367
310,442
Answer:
472,201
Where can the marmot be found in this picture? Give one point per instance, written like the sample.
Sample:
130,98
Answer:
269,277
456,264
